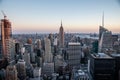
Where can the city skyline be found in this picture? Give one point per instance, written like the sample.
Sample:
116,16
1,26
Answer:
45,16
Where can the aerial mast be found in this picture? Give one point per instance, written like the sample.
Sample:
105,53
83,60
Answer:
4,14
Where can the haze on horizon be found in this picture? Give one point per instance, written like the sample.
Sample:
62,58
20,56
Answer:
41,16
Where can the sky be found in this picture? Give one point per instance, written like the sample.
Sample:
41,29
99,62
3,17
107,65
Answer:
44,16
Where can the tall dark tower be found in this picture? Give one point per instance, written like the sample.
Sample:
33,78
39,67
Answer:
61,36
6,34
105,38
101,28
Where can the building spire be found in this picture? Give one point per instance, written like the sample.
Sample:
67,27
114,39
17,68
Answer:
103,19
61,23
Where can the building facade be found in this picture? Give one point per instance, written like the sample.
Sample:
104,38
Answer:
21,69
74,53
105,43
11,72
48,55
102,67
6,34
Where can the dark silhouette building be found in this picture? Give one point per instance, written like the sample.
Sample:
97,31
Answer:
105,38
117,65
102,67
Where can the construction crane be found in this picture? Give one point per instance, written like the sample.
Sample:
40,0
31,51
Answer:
4,14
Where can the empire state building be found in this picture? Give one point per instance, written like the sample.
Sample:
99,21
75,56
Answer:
61,36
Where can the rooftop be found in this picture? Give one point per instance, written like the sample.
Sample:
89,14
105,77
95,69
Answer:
73,43
101,56
116,55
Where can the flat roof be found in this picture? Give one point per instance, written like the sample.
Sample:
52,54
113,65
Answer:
73,43
101,56
115,54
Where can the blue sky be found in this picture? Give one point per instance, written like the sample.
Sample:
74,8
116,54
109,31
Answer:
31,16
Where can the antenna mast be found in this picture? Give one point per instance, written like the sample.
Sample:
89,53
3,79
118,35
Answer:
103,20
4,14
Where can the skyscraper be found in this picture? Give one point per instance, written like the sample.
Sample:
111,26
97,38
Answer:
38,44
21,69
6,33
74,53
101,28
105,38
48,65
102,66
11,73
48,54
105,43
61,36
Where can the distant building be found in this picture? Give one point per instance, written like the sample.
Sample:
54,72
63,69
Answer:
28,48
102,67
48,65
29,41
101,30
116,44
11,49
48,68
26,57
11,72
17,48
39,61
2,74
21,69
105,39
80,75
74,53
38,43
59,62
1,55
114,38
48,55
105,43
37,72
51,38
61,36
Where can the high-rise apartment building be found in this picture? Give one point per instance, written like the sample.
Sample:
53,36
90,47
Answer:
6,34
